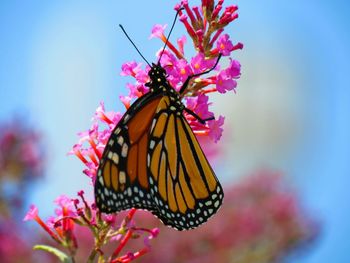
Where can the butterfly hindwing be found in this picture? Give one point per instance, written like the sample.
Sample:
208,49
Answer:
183,185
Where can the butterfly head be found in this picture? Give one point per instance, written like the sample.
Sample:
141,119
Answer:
157,75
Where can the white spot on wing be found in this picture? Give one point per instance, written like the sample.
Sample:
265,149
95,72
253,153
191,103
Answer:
100,179
208,203
153,124
122,177
115,158
126,118
120,140
124,150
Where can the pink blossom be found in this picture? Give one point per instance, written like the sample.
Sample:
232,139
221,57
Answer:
31,214
66,206
224,45
228,15
200,64
158,31
137,90
215,128
168,59
130,68
134,92
142,76
225,82
181,43
234,69
50,221
126,100
63,201
183,69
199,105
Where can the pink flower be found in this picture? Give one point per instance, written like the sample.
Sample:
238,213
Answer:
134,93
183,69
31,214
229,15
234,70
130,68
64,202
158,31
142,77
215,128
224,45
181,43
137,90
126,100
200,64
225,82
199,105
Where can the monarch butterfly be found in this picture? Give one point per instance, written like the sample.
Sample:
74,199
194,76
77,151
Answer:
153,160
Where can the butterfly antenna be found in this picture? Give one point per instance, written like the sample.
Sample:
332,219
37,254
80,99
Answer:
171,29
138,51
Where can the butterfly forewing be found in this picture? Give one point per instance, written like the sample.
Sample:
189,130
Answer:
122,177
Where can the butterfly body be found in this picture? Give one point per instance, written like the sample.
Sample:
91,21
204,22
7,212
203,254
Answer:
153,161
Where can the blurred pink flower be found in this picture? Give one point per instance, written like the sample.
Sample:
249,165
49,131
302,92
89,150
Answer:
31,214
261,218
21,152
215,128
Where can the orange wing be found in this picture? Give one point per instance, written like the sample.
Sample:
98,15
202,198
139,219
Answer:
122,178
183,184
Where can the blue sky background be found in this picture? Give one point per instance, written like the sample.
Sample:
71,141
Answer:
59,59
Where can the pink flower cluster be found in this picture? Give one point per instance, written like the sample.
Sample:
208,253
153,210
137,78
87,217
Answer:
73,213
206,30
90,147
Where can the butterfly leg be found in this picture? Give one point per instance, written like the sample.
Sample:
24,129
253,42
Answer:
197,117
184,86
